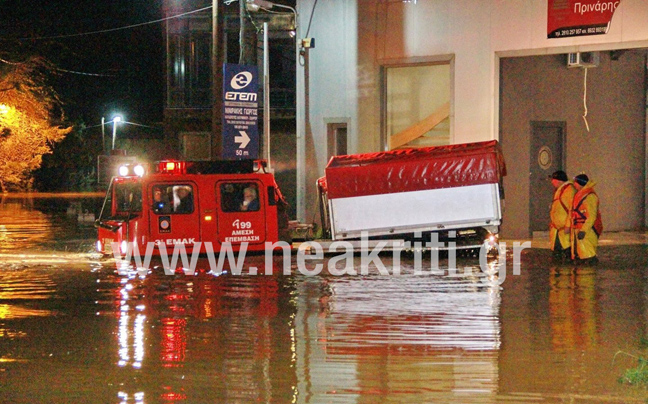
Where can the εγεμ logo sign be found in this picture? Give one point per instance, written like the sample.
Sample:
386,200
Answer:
240,134
241,80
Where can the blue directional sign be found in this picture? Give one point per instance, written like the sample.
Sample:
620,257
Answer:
240,108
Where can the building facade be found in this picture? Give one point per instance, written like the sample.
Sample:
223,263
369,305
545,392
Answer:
189,104
392,73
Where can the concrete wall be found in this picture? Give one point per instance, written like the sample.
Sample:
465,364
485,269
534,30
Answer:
542,88
327,91
355,39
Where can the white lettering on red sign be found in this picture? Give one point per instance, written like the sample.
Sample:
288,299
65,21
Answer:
174,241
599,7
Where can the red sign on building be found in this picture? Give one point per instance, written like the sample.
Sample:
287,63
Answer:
567,18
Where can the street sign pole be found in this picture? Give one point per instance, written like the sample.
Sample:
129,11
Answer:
266,93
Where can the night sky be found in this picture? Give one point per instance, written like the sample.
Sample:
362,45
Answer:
121,70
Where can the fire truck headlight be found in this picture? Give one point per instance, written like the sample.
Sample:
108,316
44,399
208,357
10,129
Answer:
138,170
98,246
123,171
123,247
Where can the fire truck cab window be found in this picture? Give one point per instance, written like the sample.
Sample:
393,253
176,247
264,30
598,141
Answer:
172,198
239,197
128,197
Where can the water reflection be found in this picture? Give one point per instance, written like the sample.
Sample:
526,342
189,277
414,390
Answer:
30,222
92,332
568,322
22,226
227,338
572,308
405,339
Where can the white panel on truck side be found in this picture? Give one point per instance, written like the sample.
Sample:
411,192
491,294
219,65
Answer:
425,210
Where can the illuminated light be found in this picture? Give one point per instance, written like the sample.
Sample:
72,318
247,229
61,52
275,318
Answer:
98,246
123,171
208,218
171,167
139,170
123,247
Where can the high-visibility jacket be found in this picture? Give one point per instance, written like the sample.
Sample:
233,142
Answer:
585,211
560,215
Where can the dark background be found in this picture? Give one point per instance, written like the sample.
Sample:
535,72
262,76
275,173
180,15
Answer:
96,75
100,74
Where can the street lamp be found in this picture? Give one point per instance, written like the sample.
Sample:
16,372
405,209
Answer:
116,119
256,5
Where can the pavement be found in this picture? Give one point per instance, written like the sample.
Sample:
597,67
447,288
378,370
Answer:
540,239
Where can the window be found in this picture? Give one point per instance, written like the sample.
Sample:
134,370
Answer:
239,197
189,62
417,105
172,198
128,198
196,145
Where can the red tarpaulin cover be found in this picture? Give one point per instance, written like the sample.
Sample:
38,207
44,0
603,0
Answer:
414,169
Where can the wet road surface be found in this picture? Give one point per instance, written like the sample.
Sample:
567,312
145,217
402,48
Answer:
76,329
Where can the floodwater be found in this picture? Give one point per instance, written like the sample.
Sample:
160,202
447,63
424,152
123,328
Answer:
77,329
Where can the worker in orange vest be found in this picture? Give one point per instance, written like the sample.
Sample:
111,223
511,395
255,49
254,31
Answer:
560,215
586,220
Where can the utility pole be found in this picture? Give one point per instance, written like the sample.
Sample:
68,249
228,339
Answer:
247,37
217,79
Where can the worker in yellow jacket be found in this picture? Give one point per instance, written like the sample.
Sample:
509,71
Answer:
586,220
560,215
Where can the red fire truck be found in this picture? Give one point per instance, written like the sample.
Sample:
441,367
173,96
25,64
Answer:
186,203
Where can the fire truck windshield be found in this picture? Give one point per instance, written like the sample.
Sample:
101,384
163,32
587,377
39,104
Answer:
123,200
128,197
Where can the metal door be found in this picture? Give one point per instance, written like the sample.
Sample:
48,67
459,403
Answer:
547,139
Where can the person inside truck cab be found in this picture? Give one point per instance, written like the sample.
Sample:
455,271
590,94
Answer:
183,199
161,203
250,200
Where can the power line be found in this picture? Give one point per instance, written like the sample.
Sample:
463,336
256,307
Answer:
115,29
62,70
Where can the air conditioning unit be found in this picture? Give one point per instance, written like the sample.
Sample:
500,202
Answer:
583,59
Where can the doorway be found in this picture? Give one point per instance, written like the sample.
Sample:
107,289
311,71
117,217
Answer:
336,139
546,156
